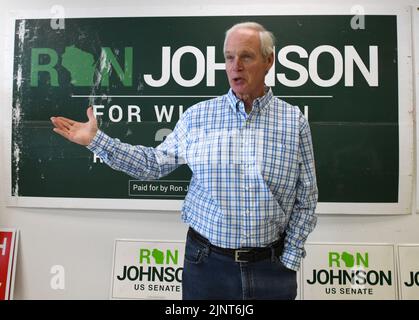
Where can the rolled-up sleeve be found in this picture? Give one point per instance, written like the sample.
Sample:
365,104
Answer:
142,162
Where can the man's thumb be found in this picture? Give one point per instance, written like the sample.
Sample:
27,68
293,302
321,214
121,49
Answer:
90,114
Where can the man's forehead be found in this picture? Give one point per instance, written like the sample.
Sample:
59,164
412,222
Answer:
242,40
244,32
243,35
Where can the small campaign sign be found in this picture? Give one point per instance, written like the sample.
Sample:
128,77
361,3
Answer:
408,262
8,253
349,271
144,269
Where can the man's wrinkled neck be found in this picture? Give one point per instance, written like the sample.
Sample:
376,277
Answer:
248,99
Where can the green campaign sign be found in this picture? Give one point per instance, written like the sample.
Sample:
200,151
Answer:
142,73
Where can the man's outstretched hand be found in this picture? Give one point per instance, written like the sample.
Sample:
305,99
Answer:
77,132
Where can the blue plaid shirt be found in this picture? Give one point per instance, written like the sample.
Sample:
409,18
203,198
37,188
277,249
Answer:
253,174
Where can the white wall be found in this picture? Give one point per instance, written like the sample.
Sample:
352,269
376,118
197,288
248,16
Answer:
82,240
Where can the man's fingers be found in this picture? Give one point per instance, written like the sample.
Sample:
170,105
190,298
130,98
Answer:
67,122
57,123
62,133
64,120
62,123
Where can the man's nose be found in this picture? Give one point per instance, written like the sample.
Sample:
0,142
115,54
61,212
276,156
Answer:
237,64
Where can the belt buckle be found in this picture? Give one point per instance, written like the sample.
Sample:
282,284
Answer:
236,255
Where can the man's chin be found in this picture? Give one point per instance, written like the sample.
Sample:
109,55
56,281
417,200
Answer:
240,93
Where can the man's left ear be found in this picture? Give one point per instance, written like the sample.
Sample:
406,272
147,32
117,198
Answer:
270,61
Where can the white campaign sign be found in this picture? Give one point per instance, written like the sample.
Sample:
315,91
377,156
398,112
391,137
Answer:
408,262
349,272
144,269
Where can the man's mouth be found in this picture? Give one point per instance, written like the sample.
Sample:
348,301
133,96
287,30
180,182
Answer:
238,80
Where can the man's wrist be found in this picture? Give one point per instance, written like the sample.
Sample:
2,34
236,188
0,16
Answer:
96,141
291,260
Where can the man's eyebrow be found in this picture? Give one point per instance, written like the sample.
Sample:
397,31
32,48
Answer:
245,51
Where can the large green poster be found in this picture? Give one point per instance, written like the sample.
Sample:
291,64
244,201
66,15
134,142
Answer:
142,73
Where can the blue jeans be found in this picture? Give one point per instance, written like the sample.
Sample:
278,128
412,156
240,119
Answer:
210,275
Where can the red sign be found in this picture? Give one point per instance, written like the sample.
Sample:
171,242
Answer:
8,246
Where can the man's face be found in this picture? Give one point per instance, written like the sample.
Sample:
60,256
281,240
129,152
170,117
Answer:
245,66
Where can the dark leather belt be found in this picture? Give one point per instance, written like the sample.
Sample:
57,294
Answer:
242,254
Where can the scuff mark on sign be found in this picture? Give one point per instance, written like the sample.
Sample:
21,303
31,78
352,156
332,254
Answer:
104,66
17,113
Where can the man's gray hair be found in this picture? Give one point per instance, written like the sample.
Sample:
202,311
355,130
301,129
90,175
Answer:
267,39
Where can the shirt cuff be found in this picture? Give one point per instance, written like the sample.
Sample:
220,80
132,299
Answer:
99,142
291,259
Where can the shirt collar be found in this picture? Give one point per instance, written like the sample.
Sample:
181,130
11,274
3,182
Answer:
258,104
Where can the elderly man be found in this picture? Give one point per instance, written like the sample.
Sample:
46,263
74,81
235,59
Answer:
252,197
